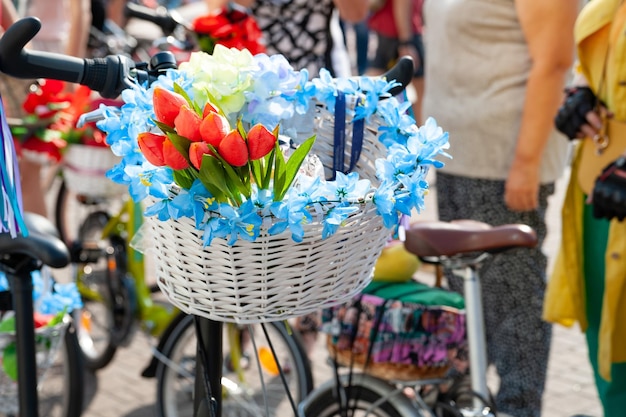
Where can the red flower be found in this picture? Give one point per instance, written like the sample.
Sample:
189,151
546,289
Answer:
214,128
167,105
172,157
260,142
233,149
231,26
187,123
197,150
151,147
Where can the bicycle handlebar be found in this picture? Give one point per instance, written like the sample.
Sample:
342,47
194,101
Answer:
110,75
168,21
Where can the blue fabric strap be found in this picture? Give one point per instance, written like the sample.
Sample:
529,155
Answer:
339,144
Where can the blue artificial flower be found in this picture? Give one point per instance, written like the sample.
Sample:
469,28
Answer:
385,201
399,125
335,217
294,213
243,222
149,180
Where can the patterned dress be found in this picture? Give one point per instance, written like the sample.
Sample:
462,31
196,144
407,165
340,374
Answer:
298,29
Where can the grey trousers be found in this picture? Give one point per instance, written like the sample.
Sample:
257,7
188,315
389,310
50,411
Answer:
513,284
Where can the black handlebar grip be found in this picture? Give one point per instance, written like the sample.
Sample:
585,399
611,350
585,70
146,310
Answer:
401,72
21,63
160,16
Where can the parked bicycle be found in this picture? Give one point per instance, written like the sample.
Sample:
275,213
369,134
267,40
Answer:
209,385
49,363
462,246
111,276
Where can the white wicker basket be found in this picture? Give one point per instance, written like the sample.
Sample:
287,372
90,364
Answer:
274,278
84,169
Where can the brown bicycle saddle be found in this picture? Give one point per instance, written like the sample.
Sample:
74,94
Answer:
439,238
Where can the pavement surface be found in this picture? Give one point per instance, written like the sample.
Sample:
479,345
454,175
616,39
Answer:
120,391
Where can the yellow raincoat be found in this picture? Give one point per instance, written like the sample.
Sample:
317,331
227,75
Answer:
565,298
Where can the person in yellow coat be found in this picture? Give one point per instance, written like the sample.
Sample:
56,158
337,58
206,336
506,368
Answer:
588,284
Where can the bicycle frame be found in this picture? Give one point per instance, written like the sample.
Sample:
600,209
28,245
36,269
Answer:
154,318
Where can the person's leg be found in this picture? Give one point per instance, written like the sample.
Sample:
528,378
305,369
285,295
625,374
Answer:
418,81
595,232
513,284
362,35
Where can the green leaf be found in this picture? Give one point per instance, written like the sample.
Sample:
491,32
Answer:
241,129
164,128
7,325
185,177
293,165
181,144
269,167
178,89
213,177
9,361
280,171
256,170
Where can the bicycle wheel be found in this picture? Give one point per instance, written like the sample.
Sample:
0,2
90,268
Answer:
366,396
61,386
72,209
106,317
243,394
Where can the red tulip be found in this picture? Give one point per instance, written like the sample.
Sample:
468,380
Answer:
167,105
233,149
196,151
173,158
260,142
151,147
214,128
208,108
187,124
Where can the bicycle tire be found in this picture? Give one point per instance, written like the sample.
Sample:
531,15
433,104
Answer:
61,389
175,391
106,317
365,396
71,210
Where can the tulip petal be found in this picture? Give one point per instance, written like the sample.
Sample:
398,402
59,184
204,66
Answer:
260,142
167,105
196,151
151,146
233,149
187,124
214,128
173,158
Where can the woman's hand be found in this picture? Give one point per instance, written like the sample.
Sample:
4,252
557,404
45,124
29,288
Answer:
581,114
521,190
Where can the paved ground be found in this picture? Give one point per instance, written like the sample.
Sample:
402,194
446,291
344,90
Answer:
120,391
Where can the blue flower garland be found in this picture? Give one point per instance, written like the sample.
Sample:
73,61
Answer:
268,90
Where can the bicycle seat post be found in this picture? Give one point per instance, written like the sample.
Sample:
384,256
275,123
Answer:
475,325
22,294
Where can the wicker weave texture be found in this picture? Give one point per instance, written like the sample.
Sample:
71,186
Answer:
84,169
275,278
270,279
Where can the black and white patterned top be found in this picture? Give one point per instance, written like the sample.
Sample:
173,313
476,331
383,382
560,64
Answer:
299,30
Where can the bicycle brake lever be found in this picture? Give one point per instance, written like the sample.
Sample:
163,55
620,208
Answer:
93,116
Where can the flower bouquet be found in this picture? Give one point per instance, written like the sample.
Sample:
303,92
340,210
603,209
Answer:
48,134
53,302
268,195
231,26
